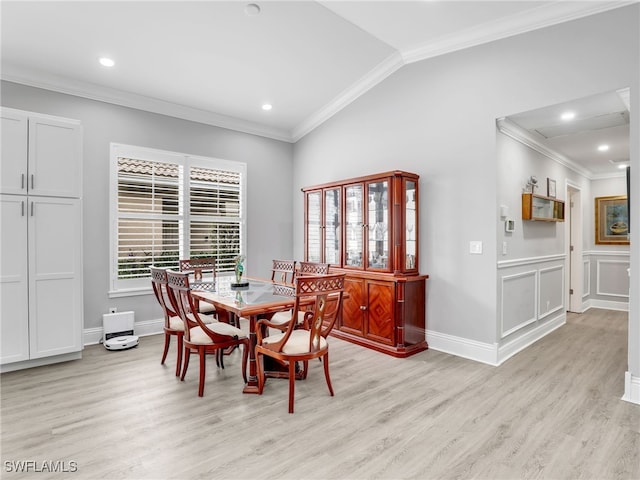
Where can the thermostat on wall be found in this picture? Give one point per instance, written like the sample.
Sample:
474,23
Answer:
509,225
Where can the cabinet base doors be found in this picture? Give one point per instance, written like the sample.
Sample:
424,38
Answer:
387,316
380,322
14,315
41,279
55,288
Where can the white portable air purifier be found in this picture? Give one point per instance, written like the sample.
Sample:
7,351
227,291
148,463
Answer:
118,331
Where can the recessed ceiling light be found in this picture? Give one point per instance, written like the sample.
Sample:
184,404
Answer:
267,106
252,9
603,148
107,62
622,166
566,116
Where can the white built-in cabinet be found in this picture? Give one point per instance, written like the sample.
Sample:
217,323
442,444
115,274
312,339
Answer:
41,239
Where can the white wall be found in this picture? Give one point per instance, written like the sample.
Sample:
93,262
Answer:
269,167
437,118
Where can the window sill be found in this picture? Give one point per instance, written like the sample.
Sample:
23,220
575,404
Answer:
130,292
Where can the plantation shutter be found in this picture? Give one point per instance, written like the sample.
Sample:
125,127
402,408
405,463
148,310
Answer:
148,216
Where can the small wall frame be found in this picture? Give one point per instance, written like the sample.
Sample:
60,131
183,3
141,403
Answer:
612,220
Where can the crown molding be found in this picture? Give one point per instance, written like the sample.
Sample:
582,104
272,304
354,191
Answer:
625,96
519,134
523,22
543,16
11,73
375,76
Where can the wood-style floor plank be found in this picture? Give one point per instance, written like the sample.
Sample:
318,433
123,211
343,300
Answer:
552,411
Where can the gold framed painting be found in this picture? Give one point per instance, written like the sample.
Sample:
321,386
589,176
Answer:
612,220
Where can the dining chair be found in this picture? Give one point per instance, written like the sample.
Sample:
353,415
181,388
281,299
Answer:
303,344
205,266
283,271
202,338
173,324
305,268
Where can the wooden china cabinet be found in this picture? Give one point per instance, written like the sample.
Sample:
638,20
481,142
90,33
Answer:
367,227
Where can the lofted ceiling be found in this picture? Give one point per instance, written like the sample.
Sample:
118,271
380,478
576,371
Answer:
218,62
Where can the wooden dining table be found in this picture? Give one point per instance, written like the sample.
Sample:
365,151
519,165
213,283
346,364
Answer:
257,300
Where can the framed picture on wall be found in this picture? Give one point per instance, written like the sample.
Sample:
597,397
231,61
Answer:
612,220
551,188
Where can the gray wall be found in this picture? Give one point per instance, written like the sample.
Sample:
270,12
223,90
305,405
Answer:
437,118
269,167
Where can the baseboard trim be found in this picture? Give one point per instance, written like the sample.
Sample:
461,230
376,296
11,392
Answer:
631,388
93,336
463,347
509,349
492,354
606,305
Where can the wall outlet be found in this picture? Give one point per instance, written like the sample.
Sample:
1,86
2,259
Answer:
113,309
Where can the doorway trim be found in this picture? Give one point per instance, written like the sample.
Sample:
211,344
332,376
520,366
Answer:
573,246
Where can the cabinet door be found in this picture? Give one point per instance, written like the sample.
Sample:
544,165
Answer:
13,168
353,307
55,149
410,197
377,219
14,315
332,231
55,276
313,226
354,226
380,325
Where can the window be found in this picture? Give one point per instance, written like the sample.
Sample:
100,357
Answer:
166,206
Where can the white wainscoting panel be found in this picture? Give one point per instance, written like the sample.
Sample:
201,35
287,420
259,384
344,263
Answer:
519,293
612,278
551,288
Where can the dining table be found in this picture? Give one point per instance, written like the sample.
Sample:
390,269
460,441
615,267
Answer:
260,299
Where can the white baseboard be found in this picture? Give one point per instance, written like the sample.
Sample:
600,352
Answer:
631,388
605,304
510,348
93,336
491,354
463,347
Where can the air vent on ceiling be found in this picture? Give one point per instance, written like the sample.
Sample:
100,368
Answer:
607,120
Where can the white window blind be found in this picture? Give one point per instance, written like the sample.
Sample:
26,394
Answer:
172,207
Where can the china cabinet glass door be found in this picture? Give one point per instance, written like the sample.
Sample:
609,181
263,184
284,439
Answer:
332,233
314,226
378,223
410,215
354,225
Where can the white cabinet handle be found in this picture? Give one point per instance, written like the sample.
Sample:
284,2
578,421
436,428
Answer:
22,208
32,181
22,182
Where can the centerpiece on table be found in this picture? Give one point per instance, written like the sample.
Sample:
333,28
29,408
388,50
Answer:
239,270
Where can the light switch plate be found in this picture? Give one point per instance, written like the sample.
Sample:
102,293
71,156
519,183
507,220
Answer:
475,247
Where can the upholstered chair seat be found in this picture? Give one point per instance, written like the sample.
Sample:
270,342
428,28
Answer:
297,343
199,336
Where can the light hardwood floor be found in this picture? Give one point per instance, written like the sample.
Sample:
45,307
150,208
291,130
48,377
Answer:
552,411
